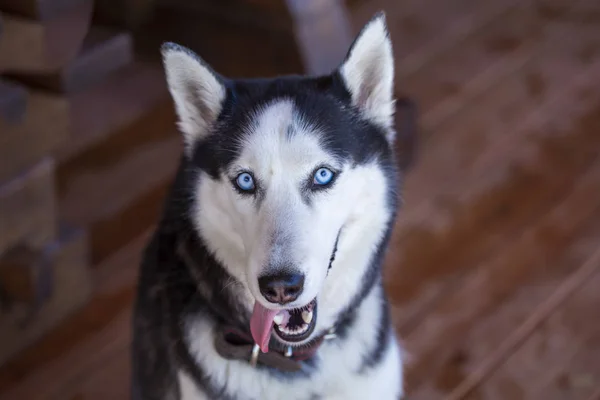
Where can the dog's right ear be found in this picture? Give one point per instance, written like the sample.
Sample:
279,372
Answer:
198,92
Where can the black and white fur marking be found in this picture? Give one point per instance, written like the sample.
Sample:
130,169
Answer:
280,131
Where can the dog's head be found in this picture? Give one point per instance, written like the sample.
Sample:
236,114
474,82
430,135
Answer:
296,185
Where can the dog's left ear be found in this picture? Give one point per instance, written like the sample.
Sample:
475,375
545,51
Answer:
368,74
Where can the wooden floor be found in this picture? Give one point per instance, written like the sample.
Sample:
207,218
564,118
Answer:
494,269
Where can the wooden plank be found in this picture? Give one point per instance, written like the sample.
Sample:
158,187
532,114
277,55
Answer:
273,15
576,42
112,232
461,190
459,162
125,14
407,133
71,354
82,357
273,52
475,51
458,335
566,344
109,379
103,51
37,9
457,158
71,289
20,275
13,101
422,30
46,46
28,208
460,231
121,177
595,395
44,127
446,331
565,290
483,59
102,110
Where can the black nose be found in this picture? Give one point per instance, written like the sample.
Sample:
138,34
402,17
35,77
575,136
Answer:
281,288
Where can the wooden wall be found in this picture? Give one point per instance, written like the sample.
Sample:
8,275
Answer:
65,86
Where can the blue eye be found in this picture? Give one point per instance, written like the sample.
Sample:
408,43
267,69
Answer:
323,176
245,182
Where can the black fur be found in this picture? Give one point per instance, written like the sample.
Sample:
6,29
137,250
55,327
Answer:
322,101
384,335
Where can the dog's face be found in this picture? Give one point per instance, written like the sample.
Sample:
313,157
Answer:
296,181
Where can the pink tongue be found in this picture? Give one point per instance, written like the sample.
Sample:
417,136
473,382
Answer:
261,324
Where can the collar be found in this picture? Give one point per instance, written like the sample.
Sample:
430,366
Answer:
234,344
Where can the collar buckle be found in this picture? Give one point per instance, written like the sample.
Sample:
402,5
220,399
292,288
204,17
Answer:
288,352
254,355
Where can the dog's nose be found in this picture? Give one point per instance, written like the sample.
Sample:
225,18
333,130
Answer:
281,288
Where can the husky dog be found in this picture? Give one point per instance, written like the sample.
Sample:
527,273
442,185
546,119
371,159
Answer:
263,278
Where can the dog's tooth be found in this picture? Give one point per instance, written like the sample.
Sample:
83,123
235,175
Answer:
278,319
307,316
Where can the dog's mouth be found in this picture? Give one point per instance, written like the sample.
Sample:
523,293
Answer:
297,324
293,325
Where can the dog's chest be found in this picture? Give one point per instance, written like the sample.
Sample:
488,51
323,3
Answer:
242,382
337,376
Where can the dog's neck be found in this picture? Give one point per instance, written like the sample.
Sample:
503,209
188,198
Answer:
232,338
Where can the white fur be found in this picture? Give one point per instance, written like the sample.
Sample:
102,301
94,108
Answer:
197,93
239,234
337,378
368,73
188,390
